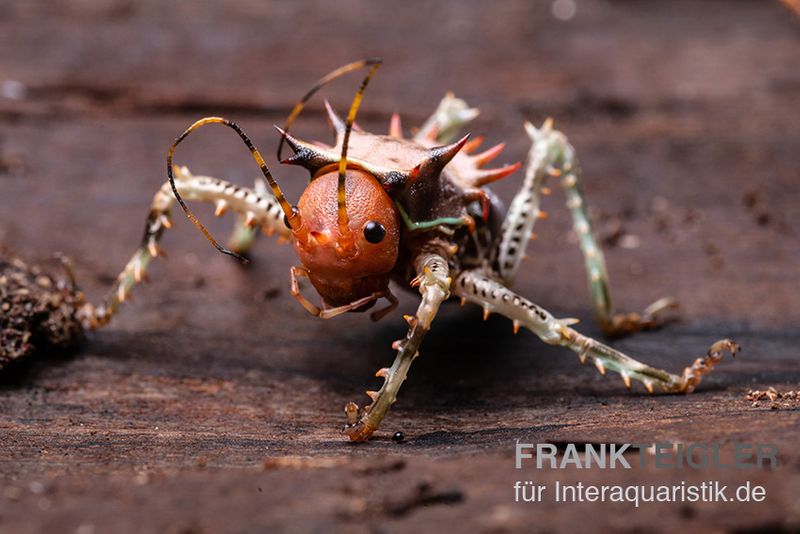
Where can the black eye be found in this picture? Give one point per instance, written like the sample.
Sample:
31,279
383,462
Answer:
374,232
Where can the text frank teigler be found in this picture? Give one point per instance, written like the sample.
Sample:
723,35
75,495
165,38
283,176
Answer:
693,456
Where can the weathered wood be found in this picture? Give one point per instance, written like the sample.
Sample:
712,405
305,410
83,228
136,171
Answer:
190,411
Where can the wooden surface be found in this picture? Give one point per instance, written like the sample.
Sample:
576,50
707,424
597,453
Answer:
214,402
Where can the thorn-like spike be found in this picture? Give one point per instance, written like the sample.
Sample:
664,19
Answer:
137,272
534,237
582,357
250,219
383,372
531,130
153,249
165,222
291,140
626,378
516,326
411,320
486,312
220,208
600,366
351,411
300,148
648,384
181,173
463,301
492,175
473,145
396,344
542,215
334,120
547,126
554,171
372,394
121,295
306,154
485,157
546,191
395,126
440,156
413,174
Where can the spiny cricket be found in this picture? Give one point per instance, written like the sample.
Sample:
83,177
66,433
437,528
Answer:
416,211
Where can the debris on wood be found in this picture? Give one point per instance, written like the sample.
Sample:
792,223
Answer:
778,399
37,310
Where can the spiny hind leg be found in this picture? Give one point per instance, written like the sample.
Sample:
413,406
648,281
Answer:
257,211
434,284
445,123
552,155
494,297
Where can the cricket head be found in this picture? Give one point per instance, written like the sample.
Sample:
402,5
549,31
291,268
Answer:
348,255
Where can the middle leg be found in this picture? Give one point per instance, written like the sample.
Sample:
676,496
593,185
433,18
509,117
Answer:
493,296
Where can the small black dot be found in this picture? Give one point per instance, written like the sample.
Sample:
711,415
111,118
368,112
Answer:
398,437
374,232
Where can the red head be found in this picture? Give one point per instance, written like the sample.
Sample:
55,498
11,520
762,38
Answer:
345,225
344,268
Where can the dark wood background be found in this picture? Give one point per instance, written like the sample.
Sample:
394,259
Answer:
214,402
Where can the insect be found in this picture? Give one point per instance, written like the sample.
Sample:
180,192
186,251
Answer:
416,211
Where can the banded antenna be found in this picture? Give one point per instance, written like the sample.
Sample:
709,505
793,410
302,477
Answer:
292,215
322,82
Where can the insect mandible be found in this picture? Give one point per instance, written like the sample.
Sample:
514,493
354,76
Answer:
416,211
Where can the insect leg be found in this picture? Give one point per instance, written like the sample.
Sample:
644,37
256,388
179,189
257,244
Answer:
445,123
324,313
434,285
493,296
525,208
553,155
393,302
256,211
244,236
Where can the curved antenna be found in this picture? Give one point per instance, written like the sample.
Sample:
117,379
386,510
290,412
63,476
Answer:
322,82
292,215
345,242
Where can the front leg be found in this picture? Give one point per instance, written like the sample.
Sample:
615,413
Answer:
329,313
434,285
493,296
256,211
